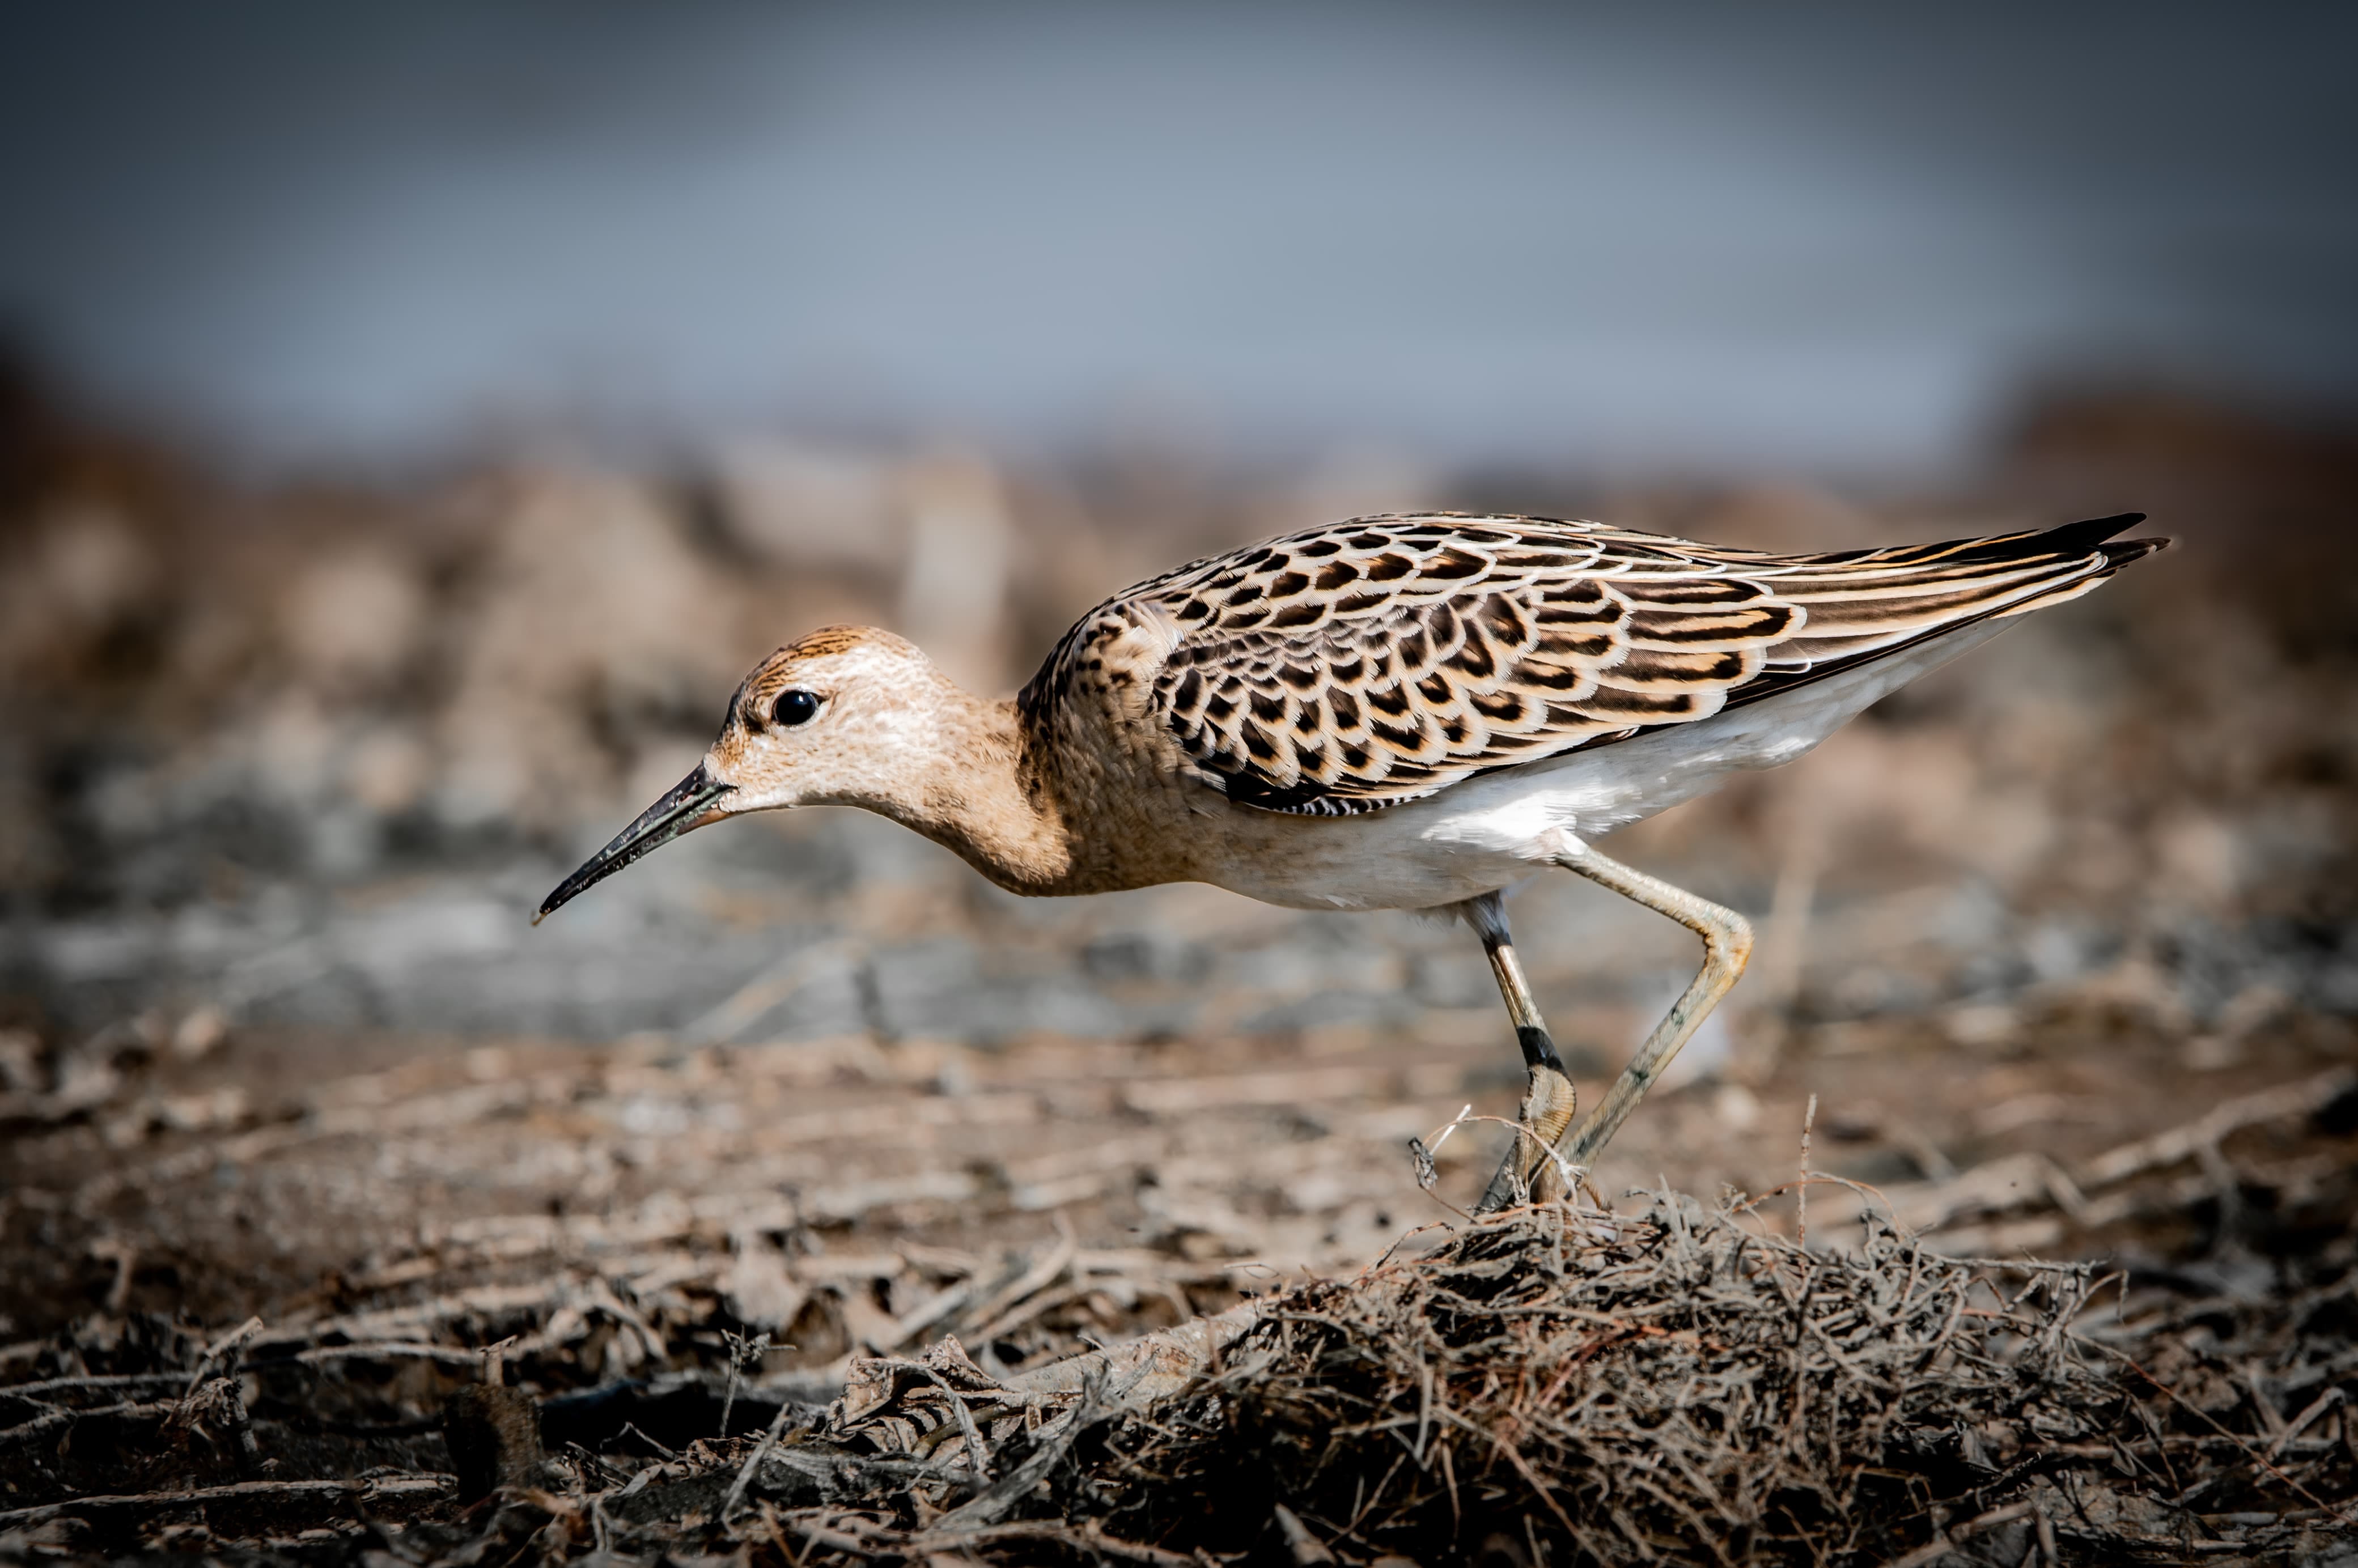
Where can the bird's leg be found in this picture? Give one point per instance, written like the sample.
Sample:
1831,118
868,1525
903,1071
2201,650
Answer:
1726,943
1549,1100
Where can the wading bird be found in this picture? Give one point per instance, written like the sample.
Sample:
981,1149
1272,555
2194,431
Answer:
1407,711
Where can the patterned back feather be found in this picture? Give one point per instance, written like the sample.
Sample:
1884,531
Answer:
1355,666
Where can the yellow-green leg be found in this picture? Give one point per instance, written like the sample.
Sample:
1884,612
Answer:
1726,945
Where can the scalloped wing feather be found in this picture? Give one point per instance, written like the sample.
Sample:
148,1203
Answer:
1369,663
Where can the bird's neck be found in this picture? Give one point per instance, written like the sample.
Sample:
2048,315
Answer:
977,801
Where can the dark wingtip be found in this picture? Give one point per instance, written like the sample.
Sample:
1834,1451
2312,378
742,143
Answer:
2073,537
2123,551
2096,533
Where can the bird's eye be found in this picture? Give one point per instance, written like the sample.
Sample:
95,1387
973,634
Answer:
797,708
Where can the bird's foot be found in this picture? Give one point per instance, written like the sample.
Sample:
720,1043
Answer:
1530,1172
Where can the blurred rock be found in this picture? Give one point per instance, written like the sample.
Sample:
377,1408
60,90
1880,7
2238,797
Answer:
954,580
2199,859
1988,1026
353,619
1737,1108
82,572
809,508
201,1033
389,769
594,617
20,1061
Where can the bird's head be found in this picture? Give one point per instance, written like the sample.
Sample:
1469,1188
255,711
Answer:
846,717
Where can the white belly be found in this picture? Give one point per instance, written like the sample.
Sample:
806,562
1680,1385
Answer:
1490,832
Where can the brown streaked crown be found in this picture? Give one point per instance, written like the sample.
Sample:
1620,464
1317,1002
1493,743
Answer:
789,666
829,640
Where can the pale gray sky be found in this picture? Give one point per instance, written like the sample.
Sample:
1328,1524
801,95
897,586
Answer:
1806,235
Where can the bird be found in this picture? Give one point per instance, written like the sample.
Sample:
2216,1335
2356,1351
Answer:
1405,711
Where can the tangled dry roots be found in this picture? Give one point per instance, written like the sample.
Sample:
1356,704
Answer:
1559,1387
1682,1389
1555,1385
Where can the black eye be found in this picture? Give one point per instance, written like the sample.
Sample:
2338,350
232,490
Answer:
797,708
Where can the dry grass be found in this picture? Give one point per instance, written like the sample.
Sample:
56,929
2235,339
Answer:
663,1283
1559,1385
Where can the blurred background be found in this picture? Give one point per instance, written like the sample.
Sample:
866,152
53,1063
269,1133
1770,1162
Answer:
416,417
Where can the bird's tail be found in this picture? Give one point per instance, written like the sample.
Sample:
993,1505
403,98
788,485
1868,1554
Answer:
1862,604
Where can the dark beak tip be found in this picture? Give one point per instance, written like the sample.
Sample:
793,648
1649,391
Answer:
677,812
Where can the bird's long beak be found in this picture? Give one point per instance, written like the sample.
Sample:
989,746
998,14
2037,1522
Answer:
687,804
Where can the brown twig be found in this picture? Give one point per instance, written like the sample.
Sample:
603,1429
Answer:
241,1491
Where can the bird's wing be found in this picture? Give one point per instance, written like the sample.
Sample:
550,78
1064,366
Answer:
1359,666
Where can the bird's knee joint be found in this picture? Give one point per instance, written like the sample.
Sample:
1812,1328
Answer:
1732,945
